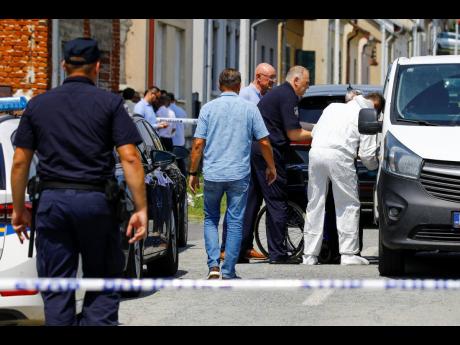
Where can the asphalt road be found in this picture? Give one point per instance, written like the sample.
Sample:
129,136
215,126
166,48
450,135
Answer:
299,307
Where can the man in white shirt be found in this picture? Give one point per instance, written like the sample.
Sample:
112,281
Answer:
179,136
166,134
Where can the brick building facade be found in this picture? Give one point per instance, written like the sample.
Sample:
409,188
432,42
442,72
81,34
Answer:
26,61
25,54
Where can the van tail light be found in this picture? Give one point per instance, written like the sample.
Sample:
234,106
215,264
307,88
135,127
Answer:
6,210
12,293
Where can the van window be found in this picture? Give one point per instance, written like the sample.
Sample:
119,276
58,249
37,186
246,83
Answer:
2,170
429,93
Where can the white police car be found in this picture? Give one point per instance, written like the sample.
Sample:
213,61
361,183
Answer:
16,306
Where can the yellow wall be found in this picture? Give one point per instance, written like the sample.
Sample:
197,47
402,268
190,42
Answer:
316,35
294,30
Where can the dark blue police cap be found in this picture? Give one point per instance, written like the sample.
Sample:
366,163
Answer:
81,51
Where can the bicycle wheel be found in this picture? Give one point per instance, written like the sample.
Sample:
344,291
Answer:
295,224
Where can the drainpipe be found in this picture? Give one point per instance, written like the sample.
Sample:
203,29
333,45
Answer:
435,36
336,51
280,52
209,62
151,52
382,69
254,44
414,34
387,42
55,52
456,37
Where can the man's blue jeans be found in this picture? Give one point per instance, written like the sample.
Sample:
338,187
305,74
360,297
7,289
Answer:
237,192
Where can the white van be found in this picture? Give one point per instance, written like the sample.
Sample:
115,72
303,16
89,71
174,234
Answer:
16,306
417,198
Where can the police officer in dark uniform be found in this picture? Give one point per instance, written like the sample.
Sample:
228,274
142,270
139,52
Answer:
73,129
280,113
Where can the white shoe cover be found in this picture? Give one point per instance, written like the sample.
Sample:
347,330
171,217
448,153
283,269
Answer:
352,260
310,260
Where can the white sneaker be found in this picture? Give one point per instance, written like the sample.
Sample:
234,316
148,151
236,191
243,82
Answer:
346,259
309,260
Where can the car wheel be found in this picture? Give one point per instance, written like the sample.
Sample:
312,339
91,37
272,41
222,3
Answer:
134,269
391,262
183,223
167,265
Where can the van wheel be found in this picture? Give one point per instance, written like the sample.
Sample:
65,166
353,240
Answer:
167,265
134,267
391,262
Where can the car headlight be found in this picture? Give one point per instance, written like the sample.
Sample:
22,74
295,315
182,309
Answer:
399,160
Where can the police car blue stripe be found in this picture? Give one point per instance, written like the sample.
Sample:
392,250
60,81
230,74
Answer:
6,229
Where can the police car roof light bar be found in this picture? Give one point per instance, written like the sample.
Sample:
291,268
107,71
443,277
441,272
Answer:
12,103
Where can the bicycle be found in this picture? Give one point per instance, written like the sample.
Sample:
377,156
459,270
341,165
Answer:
294,239
295,224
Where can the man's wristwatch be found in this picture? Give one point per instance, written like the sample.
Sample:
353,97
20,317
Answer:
193,173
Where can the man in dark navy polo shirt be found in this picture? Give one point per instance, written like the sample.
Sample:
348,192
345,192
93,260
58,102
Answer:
73,129
281,116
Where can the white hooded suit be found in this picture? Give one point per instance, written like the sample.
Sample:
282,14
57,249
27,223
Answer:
334,148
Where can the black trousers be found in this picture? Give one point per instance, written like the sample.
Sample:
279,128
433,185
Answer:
167,143
71,222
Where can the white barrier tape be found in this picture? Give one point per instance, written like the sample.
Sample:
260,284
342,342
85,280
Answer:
61,284
178,120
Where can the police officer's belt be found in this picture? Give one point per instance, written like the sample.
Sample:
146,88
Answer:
99,187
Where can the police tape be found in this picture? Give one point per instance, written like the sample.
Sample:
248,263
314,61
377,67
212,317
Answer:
178,120
94,284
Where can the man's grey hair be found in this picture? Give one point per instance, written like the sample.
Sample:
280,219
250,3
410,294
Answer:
295,71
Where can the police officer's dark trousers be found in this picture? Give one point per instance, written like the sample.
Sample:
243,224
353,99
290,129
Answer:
275,197
72,222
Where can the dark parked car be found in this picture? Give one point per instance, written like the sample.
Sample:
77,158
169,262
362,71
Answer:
167,208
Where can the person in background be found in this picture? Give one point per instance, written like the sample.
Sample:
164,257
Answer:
129,105
156,103
179,136
264,79
144,108
167,133
136,97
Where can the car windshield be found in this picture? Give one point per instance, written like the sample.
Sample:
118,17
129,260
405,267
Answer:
429,93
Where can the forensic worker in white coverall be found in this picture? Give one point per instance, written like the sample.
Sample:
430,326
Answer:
332,158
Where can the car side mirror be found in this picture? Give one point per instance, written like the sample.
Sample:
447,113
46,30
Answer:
180,152
368,122
162,158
